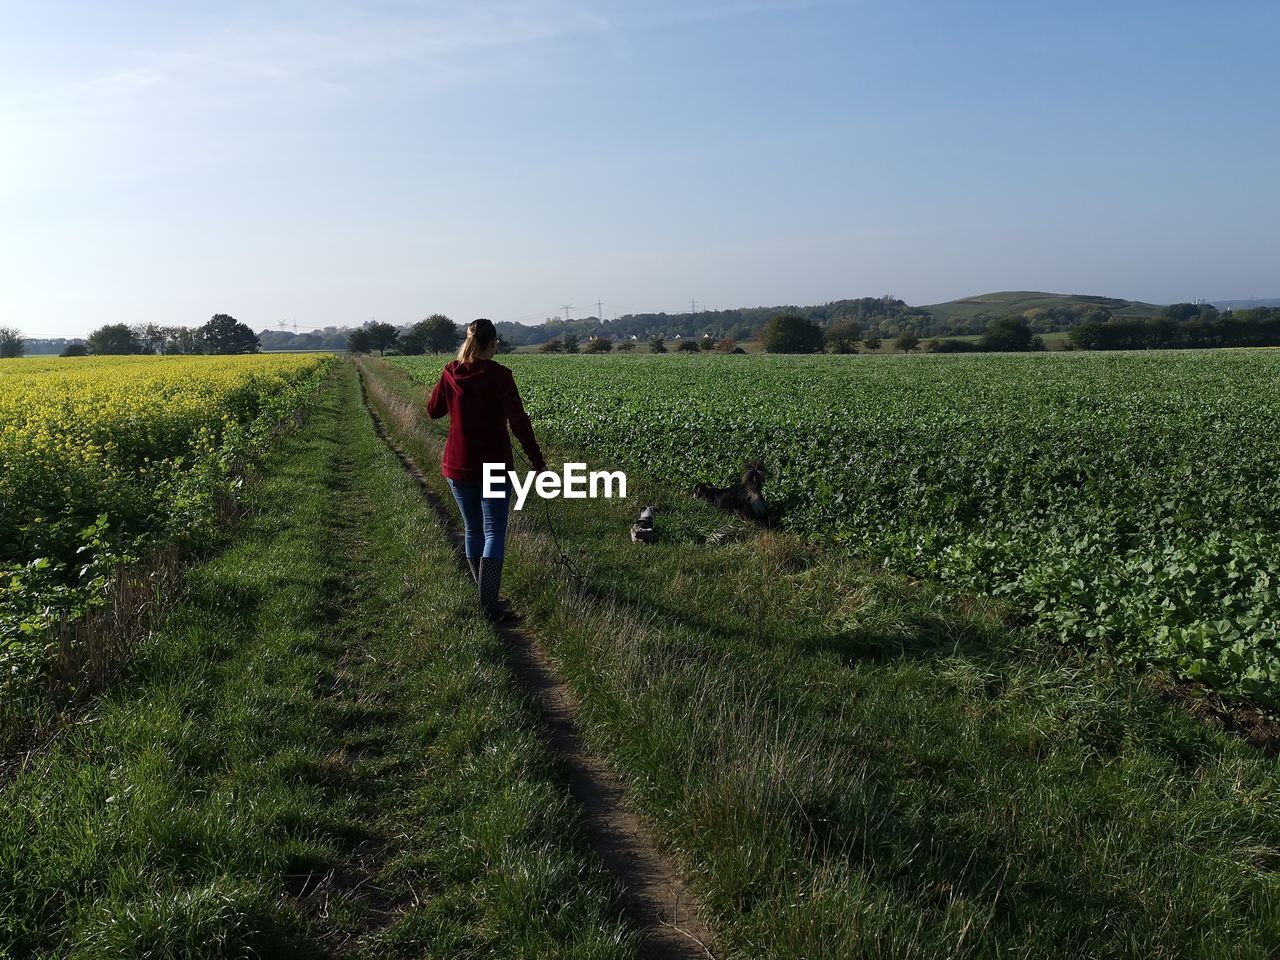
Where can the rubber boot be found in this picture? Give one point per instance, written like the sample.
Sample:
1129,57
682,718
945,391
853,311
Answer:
473,565
490,584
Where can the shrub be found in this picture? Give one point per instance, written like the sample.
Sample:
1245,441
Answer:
789,333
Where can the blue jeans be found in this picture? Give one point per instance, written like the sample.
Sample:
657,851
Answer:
484,519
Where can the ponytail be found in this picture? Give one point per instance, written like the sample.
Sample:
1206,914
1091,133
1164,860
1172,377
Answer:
481,334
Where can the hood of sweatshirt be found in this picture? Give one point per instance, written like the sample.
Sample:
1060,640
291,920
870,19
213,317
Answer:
461,375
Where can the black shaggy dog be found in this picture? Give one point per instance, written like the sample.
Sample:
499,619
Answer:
743,498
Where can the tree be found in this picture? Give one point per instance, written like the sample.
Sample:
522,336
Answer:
570,343
657,344
224,334
113,339
687,346
150,337
554,345
708,342
872,343
74,350
382,336
843,336
598,345
791,333
726,344
11,342
503,345
626,346
436,334
907,341
359,341
1007,335
182,340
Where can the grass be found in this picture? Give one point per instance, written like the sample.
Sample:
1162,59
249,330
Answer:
855,765
322,751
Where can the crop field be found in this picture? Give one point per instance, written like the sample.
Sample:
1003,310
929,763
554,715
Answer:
1125,502
842,736
103,460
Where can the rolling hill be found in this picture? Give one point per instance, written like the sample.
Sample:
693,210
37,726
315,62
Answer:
1008,302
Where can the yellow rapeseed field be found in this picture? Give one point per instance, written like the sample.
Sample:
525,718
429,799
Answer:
104,457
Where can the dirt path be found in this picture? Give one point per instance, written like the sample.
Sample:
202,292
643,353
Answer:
665,910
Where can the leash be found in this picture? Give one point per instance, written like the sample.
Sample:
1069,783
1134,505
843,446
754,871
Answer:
563,561
570,568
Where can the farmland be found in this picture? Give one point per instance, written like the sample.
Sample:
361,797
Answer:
843,745
1126,503
106,460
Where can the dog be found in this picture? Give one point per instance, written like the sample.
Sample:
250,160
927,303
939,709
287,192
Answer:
744,498
642,530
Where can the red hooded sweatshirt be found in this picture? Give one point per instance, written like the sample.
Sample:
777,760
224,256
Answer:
481,399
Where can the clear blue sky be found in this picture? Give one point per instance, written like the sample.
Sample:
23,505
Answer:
332,162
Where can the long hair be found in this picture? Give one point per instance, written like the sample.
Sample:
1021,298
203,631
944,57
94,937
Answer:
481,334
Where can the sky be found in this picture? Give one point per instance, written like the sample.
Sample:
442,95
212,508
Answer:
328,163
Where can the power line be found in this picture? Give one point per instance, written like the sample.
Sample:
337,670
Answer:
566,307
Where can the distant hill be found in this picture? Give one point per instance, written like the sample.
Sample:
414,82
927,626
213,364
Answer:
1016,302
1246,304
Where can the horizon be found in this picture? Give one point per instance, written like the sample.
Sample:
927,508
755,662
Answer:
287,327
392,160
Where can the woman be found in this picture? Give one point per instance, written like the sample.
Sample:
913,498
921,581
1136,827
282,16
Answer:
481,399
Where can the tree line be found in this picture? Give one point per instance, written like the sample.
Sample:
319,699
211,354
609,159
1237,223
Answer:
222,334
1180,326
436,334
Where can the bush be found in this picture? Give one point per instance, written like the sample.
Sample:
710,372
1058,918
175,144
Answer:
598,345
790,333
951,346
554,345
74,350
11,342
907,341
1007,335
113,339
843,337
687,346
657,345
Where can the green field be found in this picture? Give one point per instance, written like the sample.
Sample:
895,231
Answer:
855,763
1126,503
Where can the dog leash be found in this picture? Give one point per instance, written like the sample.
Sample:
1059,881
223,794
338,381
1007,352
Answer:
563,560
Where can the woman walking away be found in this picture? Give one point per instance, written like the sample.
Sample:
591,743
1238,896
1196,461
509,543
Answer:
481,399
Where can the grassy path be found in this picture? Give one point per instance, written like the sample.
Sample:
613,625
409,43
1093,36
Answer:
670,917
322,752
850,765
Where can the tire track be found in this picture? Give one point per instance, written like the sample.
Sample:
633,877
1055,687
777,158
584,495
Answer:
666,912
